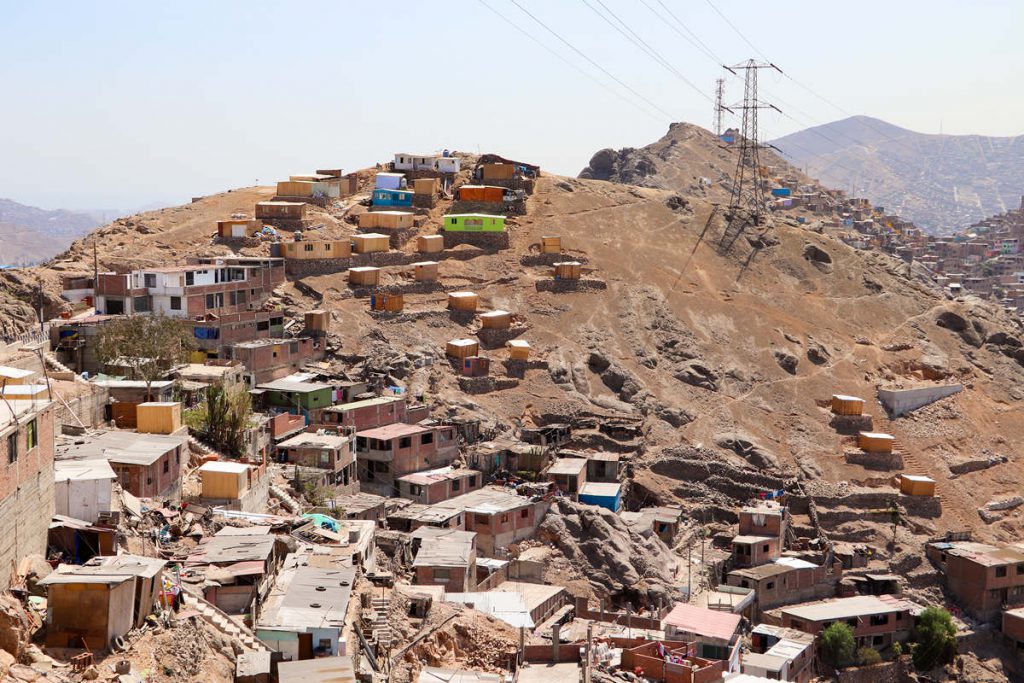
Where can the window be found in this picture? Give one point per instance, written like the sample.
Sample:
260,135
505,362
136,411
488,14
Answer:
524,513
141,304
405,442
797,624
899,616
1000,571
764,548
427,438
190,278
879,619
878,640
167,466
12,447
441,574
770,585
148,280
456,485
209,300
175,303
481,520
1020,569
307,247
262,325
472,481
415,489
31,435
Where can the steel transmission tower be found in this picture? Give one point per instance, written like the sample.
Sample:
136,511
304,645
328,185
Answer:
719,89
747,205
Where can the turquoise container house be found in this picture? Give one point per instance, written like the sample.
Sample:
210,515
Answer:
397,198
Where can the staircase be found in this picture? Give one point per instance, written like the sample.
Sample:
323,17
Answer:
286,500
51,360
380,628
223,623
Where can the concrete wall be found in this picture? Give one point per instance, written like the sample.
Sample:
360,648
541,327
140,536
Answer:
83,499
901,401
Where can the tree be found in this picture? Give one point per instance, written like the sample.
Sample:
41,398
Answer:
148,345
837,645
866,656
935,636
222,419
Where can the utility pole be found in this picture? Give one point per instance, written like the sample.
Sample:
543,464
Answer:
747,205
719,89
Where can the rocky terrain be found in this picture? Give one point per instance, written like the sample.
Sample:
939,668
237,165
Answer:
941,182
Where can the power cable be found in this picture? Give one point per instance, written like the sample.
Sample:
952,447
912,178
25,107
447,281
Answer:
591,61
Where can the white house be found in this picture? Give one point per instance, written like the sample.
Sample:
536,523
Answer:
83,488
446,164
414,162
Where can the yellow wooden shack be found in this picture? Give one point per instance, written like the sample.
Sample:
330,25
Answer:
364,276
370,243
430,244
498,171
568,270
875,442
847,405
425,185
317,320
425,271
518,349
305,250
551,244
463,301
917,485
386,220
385,301
292,211
158,417
222,480
462,348
496,320
238,227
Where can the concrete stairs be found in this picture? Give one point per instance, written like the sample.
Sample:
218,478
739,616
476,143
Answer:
224,623
54,364
380,627
286,499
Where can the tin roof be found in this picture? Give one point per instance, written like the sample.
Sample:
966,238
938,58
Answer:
440,474
600,489
568,466
293,387
391,431
82,470
308,597
322,670
312,440
224,466
847,608
127,448
703,622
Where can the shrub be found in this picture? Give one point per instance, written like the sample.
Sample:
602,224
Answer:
866,656
837,645
935,637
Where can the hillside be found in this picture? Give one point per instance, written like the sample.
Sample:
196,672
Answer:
941,182
30,235
720,361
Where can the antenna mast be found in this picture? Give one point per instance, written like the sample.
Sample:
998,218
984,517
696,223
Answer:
719,89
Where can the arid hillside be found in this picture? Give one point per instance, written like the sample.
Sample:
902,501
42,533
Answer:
719,361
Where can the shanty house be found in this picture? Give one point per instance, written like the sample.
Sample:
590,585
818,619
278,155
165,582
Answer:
780,654
444,557
234,567
304,615
325,451
234,485
473,222
786,581
716,633
498,518
392,197
385,453
146,465
568,474
433,486
83,489
606,495
414,162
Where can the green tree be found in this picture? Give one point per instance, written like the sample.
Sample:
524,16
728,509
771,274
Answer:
935,638
148,345
837,645
222,419
866,656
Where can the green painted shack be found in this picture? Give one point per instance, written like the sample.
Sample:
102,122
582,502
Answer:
285,393
473,222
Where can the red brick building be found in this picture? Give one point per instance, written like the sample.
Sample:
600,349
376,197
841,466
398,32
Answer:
392,451
984,578
324,451
435,486
444,557
268,359
877,621
367,414
499,518
146,465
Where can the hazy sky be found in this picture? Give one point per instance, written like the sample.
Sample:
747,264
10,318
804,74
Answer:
120,104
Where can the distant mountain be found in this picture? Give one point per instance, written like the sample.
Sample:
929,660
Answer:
941,182
30,235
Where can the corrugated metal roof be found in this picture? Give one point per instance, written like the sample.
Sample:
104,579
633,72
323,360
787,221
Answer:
703,622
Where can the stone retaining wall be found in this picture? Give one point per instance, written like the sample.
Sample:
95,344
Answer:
562,286
495,339
550,259
851,424
483,385
492,241
875,461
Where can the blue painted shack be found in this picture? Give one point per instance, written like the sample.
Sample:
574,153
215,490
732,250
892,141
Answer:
606,495
388,197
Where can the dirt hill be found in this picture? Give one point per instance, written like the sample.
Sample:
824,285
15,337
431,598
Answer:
32,235
719,361
941,182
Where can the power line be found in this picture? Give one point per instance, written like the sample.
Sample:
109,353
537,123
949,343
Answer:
643,45
573,65
738,32
591,61
689,36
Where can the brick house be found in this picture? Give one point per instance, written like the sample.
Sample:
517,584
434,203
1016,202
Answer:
499,518
787,581
395,450
444,557
268,359
434,486
877,620
26,480
325,451
146,465
366,414
984,578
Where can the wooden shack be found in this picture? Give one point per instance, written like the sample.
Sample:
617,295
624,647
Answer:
497,171
917,485
518,349
462,348
568,270
847,405
370,243
285,211
386,220
385,301
476,366
317,319
238,228
875,442
480,193
223,480
307,250
496,320
551,244
163,417
430,244
364,276
425,186
463,301
426,271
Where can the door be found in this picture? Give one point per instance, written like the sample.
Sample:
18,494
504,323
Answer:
305,646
